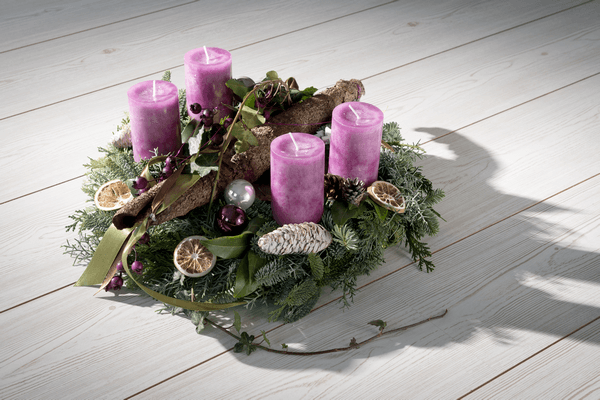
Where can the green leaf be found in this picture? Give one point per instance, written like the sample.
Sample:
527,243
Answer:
238,88
252,118
316,265
228,246
272,76
284,346
188,131
244,136
244,278
237,321
379,323
264,335
341,212
382,212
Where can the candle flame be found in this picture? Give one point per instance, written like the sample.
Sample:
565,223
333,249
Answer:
294,140
355,113
207,57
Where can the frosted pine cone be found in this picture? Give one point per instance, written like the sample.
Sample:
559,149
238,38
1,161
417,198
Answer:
304,238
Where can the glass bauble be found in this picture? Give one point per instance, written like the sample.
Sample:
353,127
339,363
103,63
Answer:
240,193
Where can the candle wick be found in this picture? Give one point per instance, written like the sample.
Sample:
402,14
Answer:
207,57
154,90
355,113
294,140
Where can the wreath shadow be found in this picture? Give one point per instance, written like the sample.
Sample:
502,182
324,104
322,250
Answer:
471,170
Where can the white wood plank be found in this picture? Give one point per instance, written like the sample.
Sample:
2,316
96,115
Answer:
568,369
122,52
71,345
498,286
24,23
65,139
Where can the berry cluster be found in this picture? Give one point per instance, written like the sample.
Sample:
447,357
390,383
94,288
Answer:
116,283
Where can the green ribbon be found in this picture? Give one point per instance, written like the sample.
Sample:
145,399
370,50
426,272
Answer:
103,258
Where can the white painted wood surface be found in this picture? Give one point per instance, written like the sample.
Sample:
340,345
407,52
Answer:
507,90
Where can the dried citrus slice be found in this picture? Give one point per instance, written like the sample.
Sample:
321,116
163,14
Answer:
193,259
387,195
112,195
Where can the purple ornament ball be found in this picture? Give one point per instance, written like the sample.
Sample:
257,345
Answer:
231,220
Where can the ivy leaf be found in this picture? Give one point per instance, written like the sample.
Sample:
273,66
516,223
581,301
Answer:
378,323
341,212
237,321
252,118
244,136
264,335
204,164
284,346
316,265
245,344
272,76
188,131
237,87
244,278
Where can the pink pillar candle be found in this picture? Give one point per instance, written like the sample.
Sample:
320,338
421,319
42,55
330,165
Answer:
154,116
297,178
356,141
205,80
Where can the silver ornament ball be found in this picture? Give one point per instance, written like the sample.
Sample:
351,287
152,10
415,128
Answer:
240,193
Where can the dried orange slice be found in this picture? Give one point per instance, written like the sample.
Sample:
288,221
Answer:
112,195
387,195
193,259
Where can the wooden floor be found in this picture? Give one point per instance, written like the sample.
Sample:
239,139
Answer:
503,94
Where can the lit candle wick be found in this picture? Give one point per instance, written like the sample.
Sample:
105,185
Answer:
207,57
154,90
294,140
355,113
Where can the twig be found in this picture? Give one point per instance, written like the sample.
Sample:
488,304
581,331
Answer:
353,343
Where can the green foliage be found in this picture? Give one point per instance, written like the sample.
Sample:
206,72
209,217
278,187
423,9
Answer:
292,283
245,344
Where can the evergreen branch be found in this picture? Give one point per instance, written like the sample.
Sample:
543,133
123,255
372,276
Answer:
249,346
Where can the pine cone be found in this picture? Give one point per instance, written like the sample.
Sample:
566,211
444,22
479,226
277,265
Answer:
123,141
304,238
354,191
334,186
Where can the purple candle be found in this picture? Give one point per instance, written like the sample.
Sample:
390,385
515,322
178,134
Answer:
207,69
297,178
356,131
154,116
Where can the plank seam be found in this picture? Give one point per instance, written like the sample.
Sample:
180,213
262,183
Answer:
98,27
476,40
513,107
39,190
38,297
179,373
529,358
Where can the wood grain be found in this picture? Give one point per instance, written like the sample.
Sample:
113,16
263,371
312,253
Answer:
29,23
568,369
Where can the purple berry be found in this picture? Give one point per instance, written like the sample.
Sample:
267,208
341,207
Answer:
140,183
116,283
217,139
142,191
167,170
227,122
120,266
196,108
170,161
143,240
137,267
